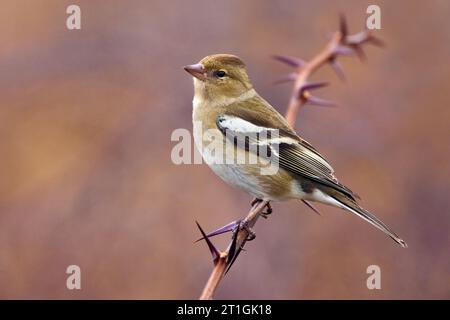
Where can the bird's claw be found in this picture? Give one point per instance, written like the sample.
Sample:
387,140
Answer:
251,235
244,226
268,210
255,201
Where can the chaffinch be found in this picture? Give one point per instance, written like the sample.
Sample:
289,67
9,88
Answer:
227,109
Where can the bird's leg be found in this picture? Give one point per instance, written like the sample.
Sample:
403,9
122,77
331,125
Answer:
232,226
266,212
244,225
255,201
268,208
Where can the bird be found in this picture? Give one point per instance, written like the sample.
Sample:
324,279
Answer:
231,120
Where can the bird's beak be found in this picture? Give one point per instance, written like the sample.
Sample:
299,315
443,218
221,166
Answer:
196,70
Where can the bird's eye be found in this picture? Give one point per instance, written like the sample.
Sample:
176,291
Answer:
220,74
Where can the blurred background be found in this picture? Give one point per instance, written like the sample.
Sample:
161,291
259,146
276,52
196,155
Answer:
86,176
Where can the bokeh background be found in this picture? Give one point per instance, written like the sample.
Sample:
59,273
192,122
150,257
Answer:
86,176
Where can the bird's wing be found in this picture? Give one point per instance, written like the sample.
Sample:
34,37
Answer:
240,123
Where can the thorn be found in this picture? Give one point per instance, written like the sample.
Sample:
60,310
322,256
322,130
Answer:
291,61
376,41
343,25
313,86
364,36
312,207
233,253
214,252
360,53
233,260
227,228
337,68
255,201
287,78
312,100
343,51
356,41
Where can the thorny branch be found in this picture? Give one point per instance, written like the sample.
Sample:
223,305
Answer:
340,44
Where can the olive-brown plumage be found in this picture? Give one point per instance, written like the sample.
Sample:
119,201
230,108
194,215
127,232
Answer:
225,104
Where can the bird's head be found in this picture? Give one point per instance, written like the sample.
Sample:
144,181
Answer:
220,75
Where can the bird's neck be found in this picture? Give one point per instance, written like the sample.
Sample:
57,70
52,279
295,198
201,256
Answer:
205,97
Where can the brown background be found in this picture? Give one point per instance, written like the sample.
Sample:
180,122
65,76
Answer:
86,176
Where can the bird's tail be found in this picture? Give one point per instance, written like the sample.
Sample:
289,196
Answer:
352,206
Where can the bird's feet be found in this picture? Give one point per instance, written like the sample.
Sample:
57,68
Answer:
244,226
268,208
255,201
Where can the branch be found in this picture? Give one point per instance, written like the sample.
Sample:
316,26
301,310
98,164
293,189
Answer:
340,44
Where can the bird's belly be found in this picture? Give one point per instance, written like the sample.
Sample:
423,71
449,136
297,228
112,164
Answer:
249,177
226,161
236,176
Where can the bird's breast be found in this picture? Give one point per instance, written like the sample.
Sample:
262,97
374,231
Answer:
225,159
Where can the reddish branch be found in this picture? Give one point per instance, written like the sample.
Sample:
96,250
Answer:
340,44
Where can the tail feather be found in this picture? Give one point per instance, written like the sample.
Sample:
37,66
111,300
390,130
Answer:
353,207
